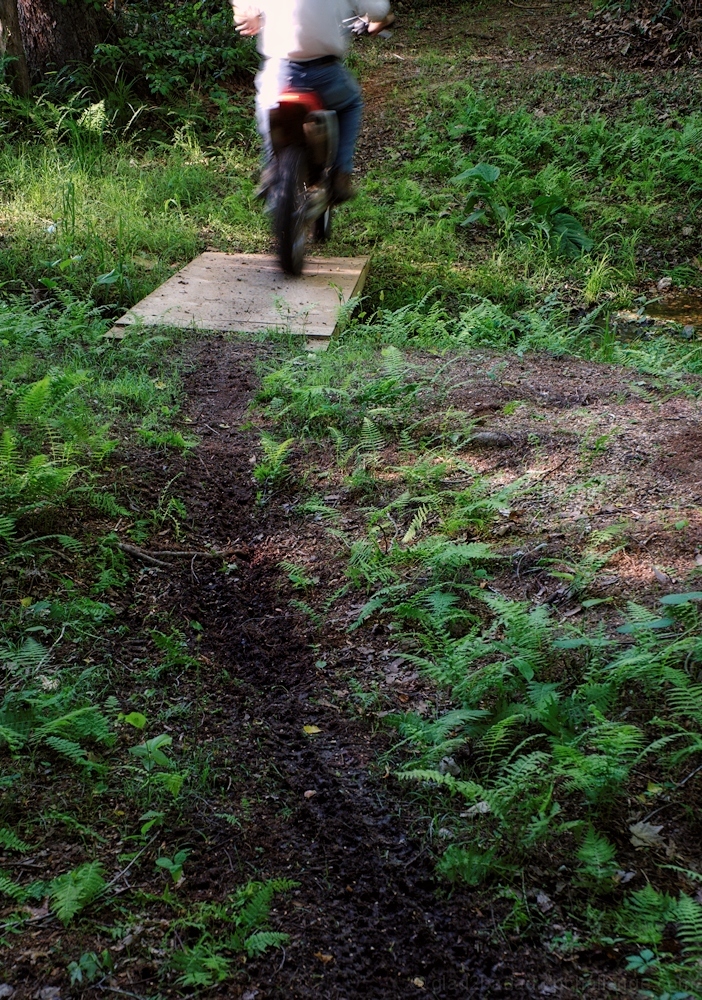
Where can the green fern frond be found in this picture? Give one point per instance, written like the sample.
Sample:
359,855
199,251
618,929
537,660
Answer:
256,944
34,402
256,908
72,892
102,501
394,363
371,439
11,889
470,790
689,917
417,523
68,749
645,913
469,865
15,740
687,702
496,739
597,856
87,723
11,842
7,528
9,457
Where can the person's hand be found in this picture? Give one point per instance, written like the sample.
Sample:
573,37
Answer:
375,27
248,21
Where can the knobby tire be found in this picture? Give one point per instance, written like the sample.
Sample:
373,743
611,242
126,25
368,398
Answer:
290,223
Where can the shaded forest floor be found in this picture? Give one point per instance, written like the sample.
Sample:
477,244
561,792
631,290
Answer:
201,578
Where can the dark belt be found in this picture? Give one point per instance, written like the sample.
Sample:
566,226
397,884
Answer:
322,61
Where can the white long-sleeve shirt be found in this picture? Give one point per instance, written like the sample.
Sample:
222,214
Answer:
309,29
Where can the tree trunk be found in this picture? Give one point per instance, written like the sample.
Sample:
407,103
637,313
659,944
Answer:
56,34
11,47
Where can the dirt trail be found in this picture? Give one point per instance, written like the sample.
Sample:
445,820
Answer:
369,918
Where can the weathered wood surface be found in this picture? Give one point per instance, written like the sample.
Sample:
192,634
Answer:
248,293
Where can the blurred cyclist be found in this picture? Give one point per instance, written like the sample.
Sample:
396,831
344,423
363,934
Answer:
303,43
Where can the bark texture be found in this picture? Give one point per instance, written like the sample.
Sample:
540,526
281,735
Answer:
56,34
12,47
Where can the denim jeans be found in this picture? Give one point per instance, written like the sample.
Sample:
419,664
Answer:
337,88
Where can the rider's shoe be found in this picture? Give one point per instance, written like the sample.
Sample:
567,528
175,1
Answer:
342,187
266,181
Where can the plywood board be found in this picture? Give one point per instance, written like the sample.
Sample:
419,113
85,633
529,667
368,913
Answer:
249,293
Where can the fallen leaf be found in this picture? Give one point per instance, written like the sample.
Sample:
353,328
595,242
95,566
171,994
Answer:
646,835
311,730
544,902
309,793
479,809
418,982
660,575
323,958
25,601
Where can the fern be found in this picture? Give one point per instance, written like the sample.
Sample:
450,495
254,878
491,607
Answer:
254,902
394,363
261,941
689,918
102,501
687,702
470,865
597,857
14,739
34,403
11,842
7,529
202,965
9,458
246,913
498,736
68,749
87,723
11,889
31,656
645,913
72,892
371,439
417,523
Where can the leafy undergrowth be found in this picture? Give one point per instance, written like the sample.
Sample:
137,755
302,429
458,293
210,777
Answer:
543,751
72,401
551,767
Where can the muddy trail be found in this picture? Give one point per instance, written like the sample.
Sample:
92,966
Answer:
369,917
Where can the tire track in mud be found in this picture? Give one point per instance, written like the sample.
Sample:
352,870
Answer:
369,918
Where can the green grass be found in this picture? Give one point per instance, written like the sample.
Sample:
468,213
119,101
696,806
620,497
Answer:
90,202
